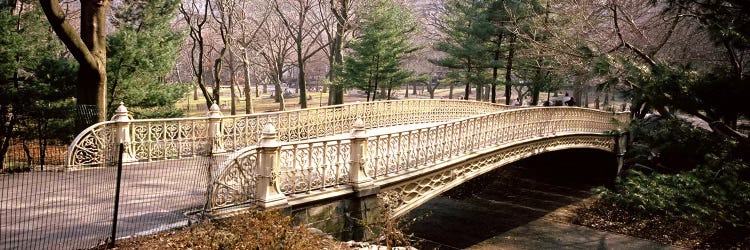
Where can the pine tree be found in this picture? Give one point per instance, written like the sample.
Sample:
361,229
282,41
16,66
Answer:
35,76
377,55
467,34
142,52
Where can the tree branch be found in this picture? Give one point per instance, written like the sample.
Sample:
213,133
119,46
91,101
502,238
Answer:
637,51
67,34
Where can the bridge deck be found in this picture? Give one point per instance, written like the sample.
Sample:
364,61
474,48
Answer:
80,215
153,194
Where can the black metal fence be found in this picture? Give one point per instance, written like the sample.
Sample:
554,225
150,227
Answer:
43,205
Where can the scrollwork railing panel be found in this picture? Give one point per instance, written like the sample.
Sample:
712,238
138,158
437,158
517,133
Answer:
93,147
409,194
316,165
306,167
445,141
236,181
158,139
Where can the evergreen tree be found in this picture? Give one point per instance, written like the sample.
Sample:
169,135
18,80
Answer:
35,95
535,67
467,32
377,55
142,52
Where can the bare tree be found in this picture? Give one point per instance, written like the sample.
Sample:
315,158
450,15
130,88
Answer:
305,29
342,12
221,11
250,19
195,14
275,48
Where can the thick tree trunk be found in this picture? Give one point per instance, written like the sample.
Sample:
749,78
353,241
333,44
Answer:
336,91
301,83
89,49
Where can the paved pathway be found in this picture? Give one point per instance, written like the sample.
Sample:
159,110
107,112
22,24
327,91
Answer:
72,210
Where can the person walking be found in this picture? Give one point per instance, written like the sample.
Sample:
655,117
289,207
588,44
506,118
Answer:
571,102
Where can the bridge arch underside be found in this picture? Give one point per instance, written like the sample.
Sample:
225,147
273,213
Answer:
413,190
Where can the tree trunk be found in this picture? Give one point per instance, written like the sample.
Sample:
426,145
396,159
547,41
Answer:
232,83
467,88
606,97
376,78
450,91
480,93
89,49
195,92
336,91
495,67
278,92
508,68
217,75
301,83
536,88
249,109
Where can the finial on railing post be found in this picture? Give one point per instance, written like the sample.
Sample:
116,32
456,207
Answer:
268,190
122,119
214,129
358,178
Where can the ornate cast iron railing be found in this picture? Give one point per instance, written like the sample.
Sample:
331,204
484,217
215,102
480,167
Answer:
403,150
159,139
300,169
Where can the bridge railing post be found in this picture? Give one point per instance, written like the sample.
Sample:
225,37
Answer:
358,178
268,191
122,119
214,129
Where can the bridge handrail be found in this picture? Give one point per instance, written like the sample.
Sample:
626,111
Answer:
159,139
89,147
309,166
440,142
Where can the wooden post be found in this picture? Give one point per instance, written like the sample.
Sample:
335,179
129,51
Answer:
268,191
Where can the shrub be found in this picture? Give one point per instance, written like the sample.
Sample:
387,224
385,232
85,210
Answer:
675,145
253,230
701,195
685,172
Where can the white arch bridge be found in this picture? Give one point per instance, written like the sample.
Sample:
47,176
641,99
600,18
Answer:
406,151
